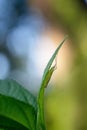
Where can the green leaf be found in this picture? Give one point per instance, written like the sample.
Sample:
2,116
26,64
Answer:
16,114
45,80
53,57
7,123
13,89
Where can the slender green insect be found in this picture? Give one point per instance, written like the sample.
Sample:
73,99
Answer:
48,76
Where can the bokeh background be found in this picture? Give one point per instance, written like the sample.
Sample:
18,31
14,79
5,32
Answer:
30,31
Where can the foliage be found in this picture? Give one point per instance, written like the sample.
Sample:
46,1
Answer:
19,109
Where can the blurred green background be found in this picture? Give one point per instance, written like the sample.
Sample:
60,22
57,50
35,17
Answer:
29,33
